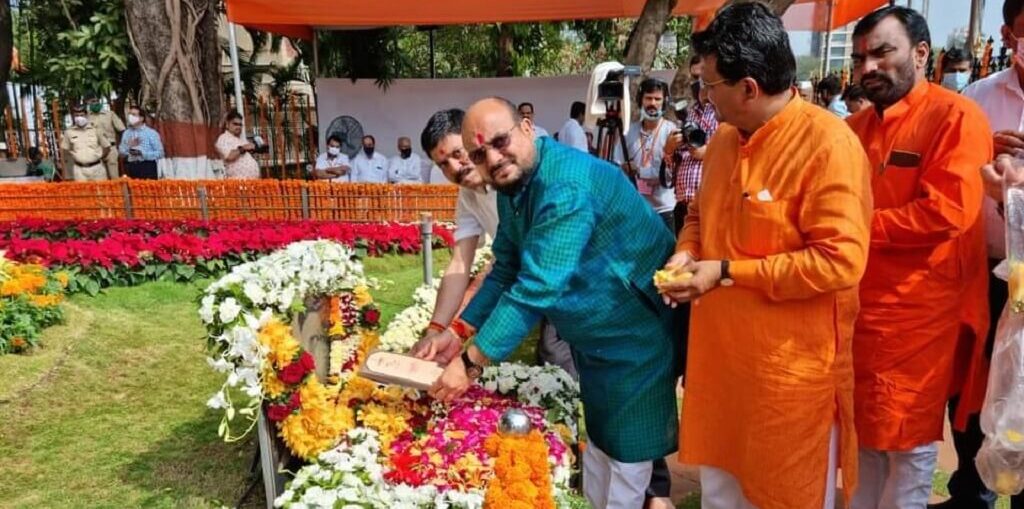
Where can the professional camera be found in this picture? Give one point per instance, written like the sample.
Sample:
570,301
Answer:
614,86
693,135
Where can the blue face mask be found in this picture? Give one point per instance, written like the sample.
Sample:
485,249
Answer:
956,81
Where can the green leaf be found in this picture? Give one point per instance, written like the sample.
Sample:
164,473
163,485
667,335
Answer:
185,271
92,287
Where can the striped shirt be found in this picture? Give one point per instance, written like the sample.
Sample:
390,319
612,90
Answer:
688,170
150,148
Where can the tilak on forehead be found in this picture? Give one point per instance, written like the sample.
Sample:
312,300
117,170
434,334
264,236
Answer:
479,138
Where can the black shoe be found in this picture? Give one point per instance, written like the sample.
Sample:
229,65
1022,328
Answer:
960,504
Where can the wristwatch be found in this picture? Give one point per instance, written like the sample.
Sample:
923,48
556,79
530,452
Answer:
473,370
726,278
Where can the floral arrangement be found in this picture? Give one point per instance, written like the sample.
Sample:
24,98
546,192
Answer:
30,298
103,253
245,312
372,445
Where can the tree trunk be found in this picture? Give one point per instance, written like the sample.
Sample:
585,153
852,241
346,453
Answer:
6,49
681,81
505,49
176,44
642,45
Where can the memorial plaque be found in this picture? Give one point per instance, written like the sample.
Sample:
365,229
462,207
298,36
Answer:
398,369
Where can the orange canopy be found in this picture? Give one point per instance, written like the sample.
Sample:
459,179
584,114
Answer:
809,15
298,18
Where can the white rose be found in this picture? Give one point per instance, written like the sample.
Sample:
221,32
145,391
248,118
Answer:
254,292
229,310
206,312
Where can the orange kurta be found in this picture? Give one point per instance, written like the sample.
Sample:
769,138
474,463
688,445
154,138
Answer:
924,288
769,363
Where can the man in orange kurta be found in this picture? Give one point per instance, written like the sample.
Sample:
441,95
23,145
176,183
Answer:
777,241
925,287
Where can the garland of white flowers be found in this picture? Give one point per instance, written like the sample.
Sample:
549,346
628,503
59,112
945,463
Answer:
409,325
237,306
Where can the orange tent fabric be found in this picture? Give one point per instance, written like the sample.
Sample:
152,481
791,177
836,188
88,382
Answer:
803,15
298,18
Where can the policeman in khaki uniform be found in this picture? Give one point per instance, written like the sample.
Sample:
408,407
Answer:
89,147
110,125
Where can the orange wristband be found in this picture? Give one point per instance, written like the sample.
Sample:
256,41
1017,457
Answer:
462,330
434,326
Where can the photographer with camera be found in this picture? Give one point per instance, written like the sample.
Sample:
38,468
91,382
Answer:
646,146
685,150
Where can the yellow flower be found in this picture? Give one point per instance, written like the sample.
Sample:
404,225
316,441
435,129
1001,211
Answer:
357,389
277,337
272,385
362,296
62,278
319,423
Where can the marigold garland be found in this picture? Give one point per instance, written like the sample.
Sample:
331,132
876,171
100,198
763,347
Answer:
522,475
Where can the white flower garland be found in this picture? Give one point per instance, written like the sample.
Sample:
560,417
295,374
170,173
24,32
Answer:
236,307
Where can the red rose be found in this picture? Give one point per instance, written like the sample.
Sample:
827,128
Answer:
307,361
279,412
371,316
297,370
295,401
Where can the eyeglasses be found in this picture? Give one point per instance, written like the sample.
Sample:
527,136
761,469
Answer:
704,84
499,142
236,124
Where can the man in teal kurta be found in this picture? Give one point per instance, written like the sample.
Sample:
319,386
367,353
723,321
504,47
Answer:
578,245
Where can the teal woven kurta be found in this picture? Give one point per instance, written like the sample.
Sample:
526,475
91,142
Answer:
579,246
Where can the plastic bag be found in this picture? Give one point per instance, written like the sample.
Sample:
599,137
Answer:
1000,461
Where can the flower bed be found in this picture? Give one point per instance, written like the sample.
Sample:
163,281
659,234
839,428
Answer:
30,298
97,254
367,444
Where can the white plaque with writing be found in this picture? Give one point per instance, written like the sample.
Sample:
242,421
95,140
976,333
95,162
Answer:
398,369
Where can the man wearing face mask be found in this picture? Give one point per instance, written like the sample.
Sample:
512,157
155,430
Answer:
332,165
956,70
140,146
924,315
110,125
1002,99
368,166
646,145
88,147
406,167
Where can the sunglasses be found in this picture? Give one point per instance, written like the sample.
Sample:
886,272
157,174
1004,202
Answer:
499,142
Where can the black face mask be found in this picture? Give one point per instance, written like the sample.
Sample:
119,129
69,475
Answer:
406,152
369,151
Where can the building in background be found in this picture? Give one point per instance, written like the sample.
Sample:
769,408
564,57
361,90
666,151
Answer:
838,51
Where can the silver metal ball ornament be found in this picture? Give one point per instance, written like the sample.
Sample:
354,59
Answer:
514,422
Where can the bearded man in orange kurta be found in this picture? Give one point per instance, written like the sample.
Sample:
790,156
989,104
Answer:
926,267
776,241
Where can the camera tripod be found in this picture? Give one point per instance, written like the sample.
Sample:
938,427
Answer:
610,132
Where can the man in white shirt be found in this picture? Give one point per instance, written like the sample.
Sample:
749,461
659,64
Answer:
406,167
476,214
369,166
1001,97
526,111
572,133
332,165
646,144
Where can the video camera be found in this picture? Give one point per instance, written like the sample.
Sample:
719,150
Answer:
614,86
693,135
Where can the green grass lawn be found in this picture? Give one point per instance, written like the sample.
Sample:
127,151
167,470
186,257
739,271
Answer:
111,412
